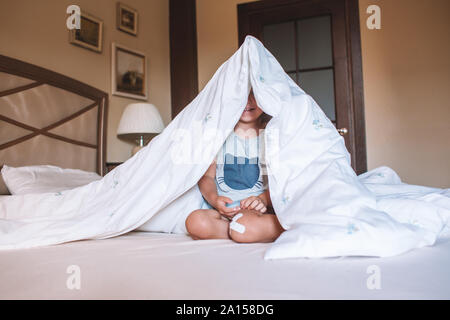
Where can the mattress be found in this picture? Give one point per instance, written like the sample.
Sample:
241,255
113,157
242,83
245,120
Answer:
143,265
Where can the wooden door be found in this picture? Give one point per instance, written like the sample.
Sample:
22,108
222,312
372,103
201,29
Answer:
318,44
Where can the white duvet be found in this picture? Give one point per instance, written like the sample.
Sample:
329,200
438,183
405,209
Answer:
326,209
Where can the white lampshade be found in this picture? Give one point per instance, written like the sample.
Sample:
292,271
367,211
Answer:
140,120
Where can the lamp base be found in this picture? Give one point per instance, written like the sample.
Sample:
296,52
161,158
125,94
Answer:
139,146
135,150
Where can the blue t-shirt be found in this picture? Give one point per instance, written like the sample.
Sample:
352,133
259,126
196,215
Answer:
240,168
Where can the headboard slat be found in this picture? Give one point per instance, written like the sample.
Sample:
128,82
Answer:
39,109
21,88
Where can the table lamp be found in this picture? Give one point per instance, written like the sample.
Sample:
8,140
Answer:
140,122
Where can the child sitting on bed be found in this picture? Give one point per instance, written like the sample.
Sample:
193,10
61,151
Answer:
235,188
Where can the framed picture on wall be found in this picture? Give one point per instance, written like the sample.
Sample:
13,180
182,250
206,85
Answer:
90,34
129,73
127,19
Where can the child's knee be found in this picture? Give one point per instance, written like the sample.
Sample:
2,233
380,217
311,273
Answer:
242,228
196,223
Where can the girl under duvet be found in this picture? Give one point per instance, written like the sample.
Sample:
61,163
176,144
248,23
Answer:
237,201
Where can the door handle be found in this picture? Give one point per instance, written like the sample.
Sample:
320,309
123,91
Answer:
342,131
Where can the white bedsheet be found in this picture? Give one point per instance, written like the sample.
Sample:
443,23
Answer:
167,266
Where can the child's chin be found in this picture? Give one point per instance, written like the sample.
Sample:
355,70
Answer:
248,118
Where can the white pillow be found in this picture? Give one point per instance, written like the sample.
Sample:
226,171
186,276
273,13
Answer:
43,179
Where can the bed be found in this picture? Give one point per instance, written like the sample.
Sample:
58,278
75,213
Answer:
146,265
143,265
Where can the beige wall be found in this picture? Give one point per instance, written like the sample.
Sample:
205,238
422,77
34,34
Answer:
35,32
217,35
406,69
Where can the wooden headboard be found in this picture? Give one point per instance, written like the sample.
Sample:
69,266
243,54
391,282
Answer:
49,118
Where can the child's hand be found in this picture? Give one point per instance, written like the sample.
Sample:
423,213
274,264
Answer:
220,203
254,203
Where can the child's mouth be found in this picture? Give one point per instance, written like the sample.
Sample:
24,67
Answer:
249,109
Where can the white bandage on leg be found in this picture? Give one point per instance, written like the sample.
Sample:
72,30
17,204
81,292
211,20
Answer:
234,225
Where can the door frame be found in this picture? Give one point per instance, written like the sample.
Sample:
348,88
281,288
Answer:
356,139
183,53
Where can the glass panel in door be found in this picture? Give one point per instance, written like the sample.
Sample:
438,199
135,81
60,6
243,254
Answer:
304,49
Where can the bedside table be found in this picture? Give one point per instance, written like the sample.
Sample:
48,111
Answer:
111,165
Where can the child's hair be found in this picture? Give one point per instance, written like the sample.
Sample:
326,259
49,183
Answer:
264,118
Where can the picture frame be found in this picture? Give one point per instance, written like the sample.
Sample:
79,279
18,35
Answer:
90,34
127,19
129,73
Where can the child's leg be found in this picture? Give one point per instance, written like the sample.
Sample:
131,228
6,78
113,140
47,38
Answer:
207,224
256,227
